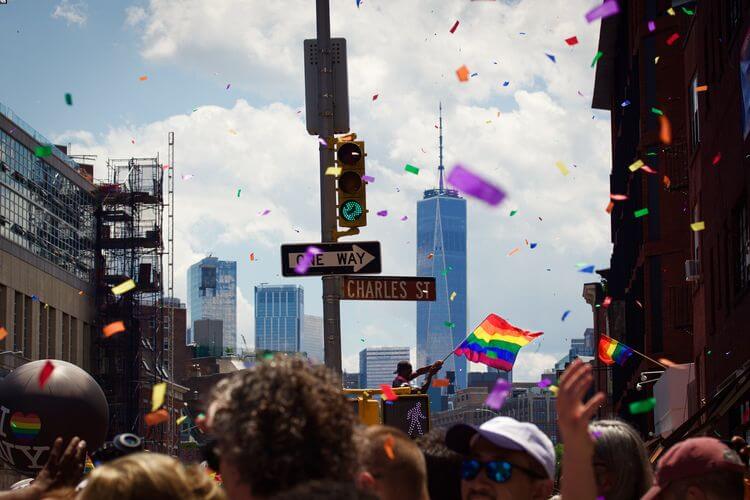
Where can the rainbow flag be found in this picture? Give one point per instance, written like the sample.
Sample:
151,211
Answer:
611,351
495,342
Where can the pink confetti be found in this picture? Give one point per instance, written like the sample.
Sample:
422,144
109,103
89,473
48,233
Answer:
265,212
473,185
500,392
383,213
618,197
404,218
603,11
304,264
453,28
545,382
716,159
368,179
322,142
187,177
607,301
651,26
648,169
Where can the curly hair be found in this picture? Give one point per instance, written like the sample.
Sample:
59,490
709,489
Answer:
284,422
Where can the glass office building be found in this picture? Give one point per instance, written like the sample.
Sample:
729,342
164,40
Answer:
441,253
279,317
212,294
377,364
312,338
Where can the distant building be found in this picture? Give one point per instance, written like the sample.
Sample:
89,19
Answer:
489,378
209,337
582,347
279,312
212,294
350,380
467,408
312,338
589,336
377,364
529,403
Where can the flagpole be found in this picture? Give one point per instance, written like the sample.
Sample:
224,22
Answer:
637,352
453,351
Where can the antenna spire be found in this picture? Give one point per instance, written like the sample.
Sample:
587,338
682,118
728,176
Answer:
441,168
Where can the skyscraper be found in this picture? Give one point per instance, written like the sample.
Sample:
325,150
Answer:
377,364
312,338
279,312
212,294
441,253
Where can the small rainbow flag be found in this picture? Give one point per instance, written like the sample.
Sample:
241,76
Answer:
611,351
25,427
495,342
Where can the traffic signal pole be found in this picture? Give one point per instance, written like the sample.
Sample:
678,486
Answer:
328,219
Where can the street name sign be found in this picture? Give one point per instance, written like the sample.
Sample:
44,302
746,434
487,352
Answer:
387,288
354,257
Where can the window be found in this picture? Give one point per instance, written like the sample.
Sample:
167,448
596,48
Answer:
745,83
742,247
695,131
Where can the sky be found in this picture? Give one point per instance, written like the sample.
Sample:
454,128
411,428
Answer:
227,77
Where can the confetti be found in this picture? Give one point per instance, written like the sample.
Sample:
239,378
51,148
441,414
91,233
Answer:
636,165
648,169
514,251
156,417
573,40
656,59
670,11
123,287
388,393
239,191
449,324
463,74
453,28
388,447
596,435
625,103
228,86
565,315
666,362
42,151
545,382
3,333
640,213
252,257
335,171
375,97
513,212
265,212
383,213
181,419
358,3
551,57
687,11
607,301
672,39
322,142
368,179
651,26
701,88
496,399
698,226
716,159
618,197
158,391
533,246
440,382
596,58
587,269
113,328
473,185
45,374
69,99
143,78
638,302
553,389
506,83
453,296
404,218
603,11
645,406
657,111
411,169
563,169
665,130
304,264
187,177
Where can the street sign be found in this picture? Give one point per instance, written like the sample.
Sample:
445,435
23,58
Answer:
353,257
387,288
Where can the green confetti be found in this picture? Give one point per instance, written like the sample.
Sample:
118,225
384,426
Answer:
657,111
688,11
68,99
42,151
651,153
596,58
640,213
444,272
513,212
362,340
449,324
644,406
411,169
238,192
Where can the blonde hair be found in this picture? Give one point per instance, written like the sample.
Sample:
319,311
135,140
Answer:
149,475
620,449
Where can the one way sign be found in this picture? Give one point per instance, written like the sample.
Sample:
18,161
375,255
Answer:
356,257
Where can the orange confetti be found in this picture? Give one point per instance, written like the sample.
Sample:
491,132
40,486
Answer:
667,181
702,88
3,333
252,257
156,417
610,207
430,256
665,134
515,250
388,447
463,73
666,362
143,78
441,382
113,328
80,292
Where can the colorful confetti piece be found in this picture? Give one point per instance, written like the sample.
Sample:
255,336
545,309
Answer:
565,315
113,328
562,168
124,287
672,39
42,151
383,213
500,392
388,447
573,40
698,226
411,169
597,56
158,391
453,28
473,185
463,74
45,373
640,213
645,406
69,99
603,11
388,393
157,417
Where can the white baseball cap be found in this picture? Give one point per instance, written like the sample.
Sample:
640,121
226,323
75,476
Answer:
509,434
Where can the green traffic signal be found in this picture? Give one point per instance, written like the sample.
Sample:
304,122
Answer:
351,210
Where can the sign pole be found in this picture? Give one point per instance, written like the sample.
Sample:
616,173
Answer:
328,223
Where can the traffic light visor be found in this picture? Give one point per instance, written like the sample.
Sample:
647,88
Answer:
349,154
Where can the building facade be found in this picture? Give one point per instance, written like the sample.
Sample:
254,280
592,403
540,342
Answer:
212,294
441,253
467,407
377,364
208,337
312,338
279,313
529,403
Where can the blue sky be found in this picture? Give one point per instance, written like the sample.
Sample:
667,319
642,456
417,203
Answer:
251,137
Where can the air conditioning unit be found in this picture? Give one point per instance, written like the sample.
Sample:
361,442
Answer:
692,270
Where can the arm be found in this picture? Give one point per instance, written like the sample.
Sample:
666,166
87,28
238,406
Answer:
432,370
573,416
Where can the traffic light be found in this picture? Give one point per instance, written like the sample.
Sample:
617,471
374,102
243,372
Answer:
350,187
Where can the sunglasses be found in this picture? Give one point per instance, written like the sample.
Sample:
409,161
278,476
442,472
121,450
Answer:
498,471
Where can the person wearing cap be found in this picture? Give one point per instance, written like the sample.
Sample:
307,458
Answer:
701,468
404,374
503,459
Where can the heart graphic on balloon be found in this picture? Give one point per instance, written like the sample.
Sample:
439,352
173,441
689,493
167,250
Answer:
25,427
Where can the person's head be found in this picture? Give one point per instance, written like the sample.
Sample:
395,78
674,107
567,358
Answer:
698,469
148,475
623,470
404,369
503,459
325,490
391,465
281,423
443,466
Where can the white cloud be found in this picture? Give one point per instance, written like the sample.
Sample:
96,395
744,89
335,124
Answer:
530,365
402,51
71,12
134,15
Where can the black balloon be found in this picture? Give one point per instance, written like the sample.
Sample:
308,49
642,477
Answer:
69,404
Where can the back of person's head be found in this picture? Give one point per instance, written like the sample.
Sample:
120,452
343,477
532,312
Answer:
620,452
698,468
324,490
443,466
391,465
281,423
148,475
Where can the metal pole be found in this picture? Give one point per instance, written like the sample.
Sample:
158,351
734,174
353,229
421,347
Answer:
328,226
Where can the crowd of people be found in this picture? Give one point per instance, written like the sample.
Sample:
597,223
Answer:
283,430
